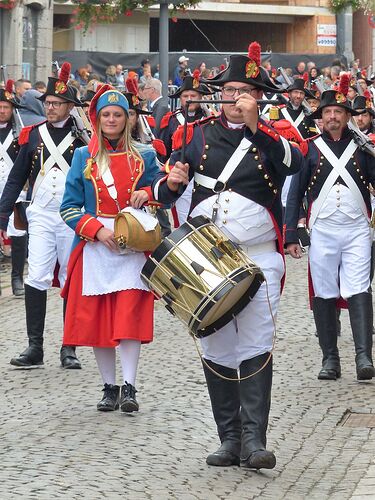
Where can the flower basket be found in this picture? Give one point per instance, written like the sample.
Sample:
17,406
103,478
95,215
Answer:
89,13
338,6
7,4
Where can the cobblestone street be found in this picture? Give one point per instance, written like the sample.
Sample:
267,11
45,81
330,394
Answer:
55,444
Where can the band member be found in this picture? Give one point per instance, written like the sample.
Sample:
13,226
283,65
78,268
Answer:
363,105
295,112
44,159
107,303
9,131
239,164
191,90
335,178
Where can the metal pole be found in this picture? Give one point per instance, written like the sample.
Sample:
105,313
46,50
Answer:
164,48
344,21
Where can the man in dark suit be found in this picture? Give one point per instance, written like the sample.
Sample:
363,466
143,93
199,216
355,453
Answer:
152,92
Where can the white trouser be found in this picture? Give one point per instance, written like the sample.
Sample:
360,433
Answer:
340,256
50,240
251,334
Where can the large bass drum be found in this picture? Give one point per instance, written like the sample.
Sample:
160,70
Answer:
202,277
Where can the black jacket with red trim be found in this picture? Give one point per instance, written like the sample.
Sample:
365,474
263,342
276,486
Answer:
259,176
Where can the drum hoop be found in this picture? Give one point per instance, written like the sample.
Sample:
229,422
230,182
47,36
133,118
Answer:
237,308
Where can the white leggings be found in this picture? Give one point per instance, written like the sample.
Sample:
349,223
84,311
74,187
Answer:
129,351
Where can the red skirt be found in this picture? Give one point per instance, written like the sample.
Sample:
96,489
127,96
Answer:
104,320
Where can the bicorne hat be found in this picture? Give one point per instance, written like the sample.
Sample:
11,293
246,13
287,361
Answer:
336,97
244,69
7,95
59,87
191,83
363,103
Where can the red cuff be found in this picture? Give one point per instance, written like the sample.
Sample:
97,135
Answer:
87,227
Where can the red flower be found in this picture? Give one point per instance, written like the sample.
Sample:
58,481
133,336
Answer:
174,19
128,13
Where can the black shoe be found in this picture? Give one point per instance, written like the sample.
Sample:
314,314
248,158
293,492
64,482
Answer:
68,358
128,402
261,459
329,373
30,358
109,401
223,457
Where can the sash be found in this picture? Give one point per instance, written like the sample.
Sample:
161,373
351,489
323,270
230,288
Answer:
4,156
180,118
230,167
338,170
56,156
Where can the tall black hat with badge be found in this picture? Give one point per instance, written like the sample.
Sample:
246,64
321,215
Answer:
244,69
59,87
363,103
191,82
336,97
7,95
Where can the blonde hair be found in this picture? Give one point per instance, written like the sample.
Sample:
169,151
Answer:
125,143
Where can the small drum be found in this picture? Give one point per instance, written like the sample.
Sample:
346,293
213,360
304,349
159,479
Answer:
203,277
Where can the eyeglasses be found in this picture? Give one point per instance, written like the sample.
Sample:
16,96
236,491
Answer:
231,91
54,104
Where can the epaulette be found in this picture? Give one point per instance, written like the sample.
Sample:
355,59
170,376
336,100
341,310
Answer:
372,137
24,134
179,134
151,121
159,147
165,120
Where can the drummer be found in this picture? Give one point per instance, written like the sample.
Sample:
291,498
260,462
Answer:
239,164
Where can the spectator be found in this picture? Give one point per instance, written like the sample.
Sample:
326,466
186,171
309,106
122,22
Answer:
82,76
20,87
313,74
146,76
40,87
32,110
140,70
110,75
300,69
180,71
335,73
152,92
120,76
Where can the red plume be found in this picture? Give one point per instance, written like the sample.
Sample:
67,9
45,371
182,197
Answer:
254,52
196,74
305,76
344,84
9,86
132,85
64,74
367,94
222,67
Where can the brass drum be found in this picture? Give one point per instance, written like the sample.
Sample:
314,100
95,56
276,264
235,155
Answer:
202,277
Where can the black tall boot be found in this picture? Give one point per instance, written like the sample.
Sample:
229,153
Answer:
325,316
225,402
255,396
35,303
19,253
360,314
68,356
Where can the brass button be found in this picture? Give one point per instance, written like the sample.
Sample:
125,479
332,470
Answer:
225,210
318,171
132,178
275,191
129,190
212,122
270,184
35,157
256,157
99,211
99,200
312,183
321,164
354,163
204,157
265,176
137,170
230,190
100,190
201,167
309,188
364,182
227,200
314,177
92,169
322,157
254,150
260,167
361,177
357,170
207,146
224,221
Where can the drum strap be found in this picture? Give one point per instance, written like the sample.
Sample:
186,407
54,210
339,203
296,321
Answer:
180,118
230,167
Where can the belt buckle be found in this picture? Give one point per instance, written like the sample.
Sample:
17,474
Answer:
219,187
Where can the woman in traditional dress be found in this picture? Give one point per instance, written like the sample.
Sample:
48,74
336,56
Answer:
108,306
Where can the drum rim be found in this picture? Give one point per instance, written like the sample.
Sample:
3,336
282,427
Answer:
228,316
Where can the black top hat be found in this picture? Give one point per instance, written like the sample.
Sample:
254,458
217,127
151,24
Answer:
191,83
6,95
244,69
59,87
363,103
300,84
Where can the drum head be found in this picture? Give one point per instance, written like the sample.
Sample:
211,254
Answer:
225,303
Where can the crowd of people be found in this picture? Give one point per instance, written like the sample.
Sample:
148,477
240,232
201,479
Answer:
281,151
